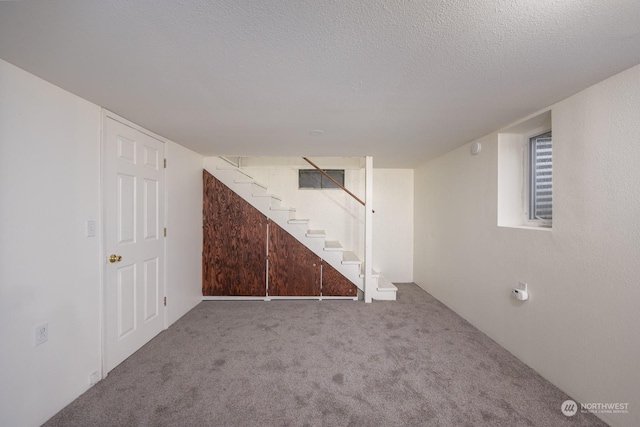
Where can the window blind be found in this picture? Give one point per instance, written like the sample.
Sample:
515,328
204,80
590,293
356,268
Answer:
541,178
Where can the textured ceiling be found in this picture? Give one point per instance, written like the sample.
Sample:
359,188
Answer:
401,80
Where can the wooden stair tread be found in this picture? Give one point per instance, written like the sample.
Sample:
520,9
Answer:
273,196
349,257
249,181
230,162
384,285
243,173
333,245
282,208
298,221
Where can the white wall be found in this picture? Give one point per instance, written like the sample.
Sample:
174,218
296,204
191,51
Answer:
184,230
49,271
341,216
580,327
393,223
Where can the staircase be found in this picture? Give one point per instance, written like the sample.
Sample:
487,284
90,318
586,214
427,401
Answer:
274,208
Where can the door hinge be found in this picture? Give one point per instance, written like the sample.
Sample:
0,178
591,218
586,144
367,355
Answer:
165,301
165,232
165,163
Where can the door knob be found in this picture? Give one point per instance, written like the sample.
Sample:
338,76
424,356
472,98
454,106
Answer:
114,258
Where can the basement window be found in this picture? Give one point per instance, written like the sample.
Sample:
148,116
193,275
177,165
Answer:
312,178
525,168
541,179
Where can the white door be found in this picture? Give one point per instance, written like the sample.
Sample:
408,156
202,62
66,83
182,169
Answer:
134,240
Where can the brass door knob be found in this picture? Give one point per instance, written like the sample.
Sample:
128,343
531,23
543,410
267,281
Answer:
114,258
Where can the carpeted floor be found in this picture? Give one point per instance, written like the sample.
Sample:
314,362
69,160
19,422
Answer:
412,362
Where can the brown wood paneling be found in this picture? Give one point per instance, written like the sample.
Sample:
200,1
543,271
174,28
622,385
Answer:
334,284
293,269
234,243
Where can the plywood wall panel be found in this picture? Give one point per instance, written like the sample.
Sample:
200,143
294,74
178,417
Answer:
334,284
294,270
234,243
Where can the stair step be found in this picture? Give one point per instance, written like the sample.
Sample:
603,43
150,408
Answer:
333,246
282,208
273,196
315,233
249,180
373,274
243,173
298,221
258,186
349,257
244,180
226,167
384,285
230,162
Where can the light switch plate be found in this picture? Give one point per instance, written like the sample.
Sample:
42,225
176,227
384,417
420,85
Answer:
91,228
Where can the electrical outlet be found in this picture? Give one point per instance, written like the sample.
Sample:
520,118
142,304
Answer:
42,333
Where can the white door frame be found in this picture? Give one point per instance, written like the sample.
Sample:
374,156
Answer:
106,114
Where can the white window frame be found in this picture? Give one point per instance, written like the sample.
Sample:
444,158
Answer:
322,179
527,186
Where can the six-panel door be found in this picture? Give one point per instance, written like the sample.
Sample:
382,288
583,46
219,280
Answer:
134,222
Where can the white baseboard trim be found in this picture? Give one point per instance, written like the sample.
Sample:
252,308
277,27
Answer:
270,298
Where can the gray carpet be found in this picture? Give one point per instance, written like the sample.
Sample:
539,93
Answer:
412,362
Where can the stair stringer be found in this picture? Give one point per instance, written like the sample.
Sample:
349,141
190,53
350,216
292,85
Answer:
273,209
